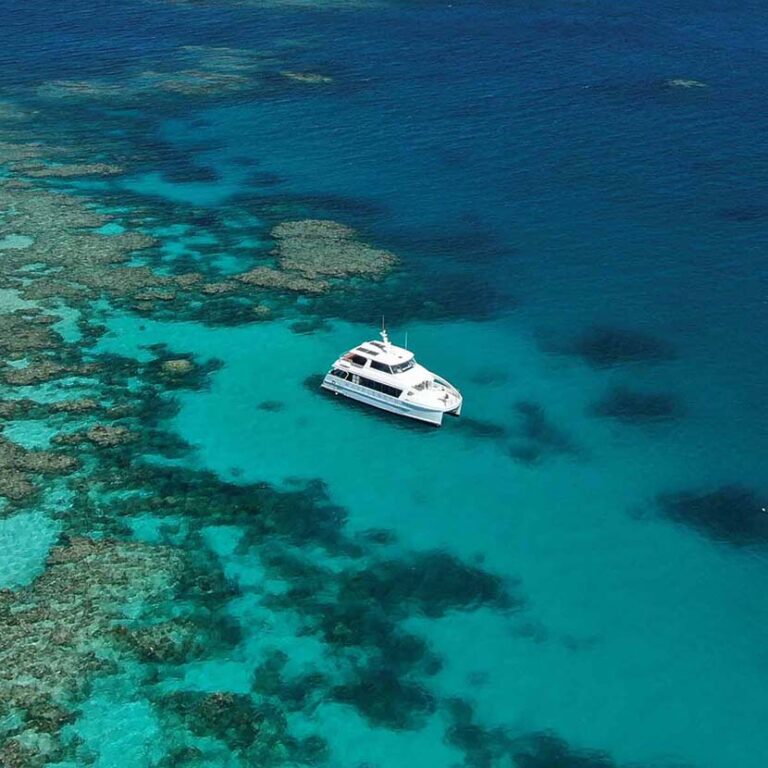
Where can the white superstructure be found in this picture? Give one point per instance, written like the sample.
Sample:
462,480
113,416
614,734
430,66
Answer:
388,377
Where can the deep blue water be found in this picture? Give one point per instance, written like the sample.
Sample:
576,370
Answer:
539,176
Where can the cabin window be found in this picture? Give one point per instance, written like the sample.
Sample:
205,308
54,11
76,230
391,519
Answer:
379,387
338,372
406,366
358,360
380,366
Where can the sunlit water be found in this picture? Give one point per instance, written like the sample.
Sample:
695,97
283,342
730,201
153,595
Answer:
538,177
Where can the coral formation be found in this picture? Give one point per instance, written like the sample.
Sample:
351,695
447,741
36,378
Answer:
19,466
52,633
267,277
37,170
313,247
192,71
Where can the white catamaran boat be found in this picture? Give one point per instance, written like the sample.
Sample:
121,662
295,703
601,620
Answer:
388,377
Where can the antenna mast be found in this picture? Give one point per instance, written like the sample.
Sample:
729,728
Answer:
384,336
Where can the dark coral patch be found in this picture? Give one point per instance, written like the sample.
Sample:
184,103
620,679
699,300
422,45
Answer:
537,436
635,407
387,700
271,406
604,347
731,515
547,750
489,746
256,731
428,584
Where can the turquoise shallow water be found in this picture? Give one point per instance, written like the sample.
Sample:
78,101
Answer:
582,254
615,603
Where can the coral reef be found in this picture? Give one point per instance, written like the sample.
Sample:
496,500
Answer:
53,633
192,71
19,467
267,277
37,170
314,247
26,330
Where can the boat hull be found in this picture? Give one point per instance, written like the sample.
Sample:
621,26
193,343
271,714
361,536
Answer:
385,402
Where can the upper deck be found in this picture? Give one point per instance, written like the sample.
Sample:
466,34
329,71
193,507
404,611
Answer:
383,357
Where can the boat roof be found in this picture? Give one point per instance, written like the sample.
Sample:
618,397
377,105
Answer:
385,353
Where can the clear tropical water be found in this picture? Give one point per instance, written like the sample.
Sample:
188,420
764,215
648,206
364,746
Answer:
577,198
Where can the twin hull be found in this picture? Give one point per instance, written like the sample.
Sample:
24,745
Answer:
386,402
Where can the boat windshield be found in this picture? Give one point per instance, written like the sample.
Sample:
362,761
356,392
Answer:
406,366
